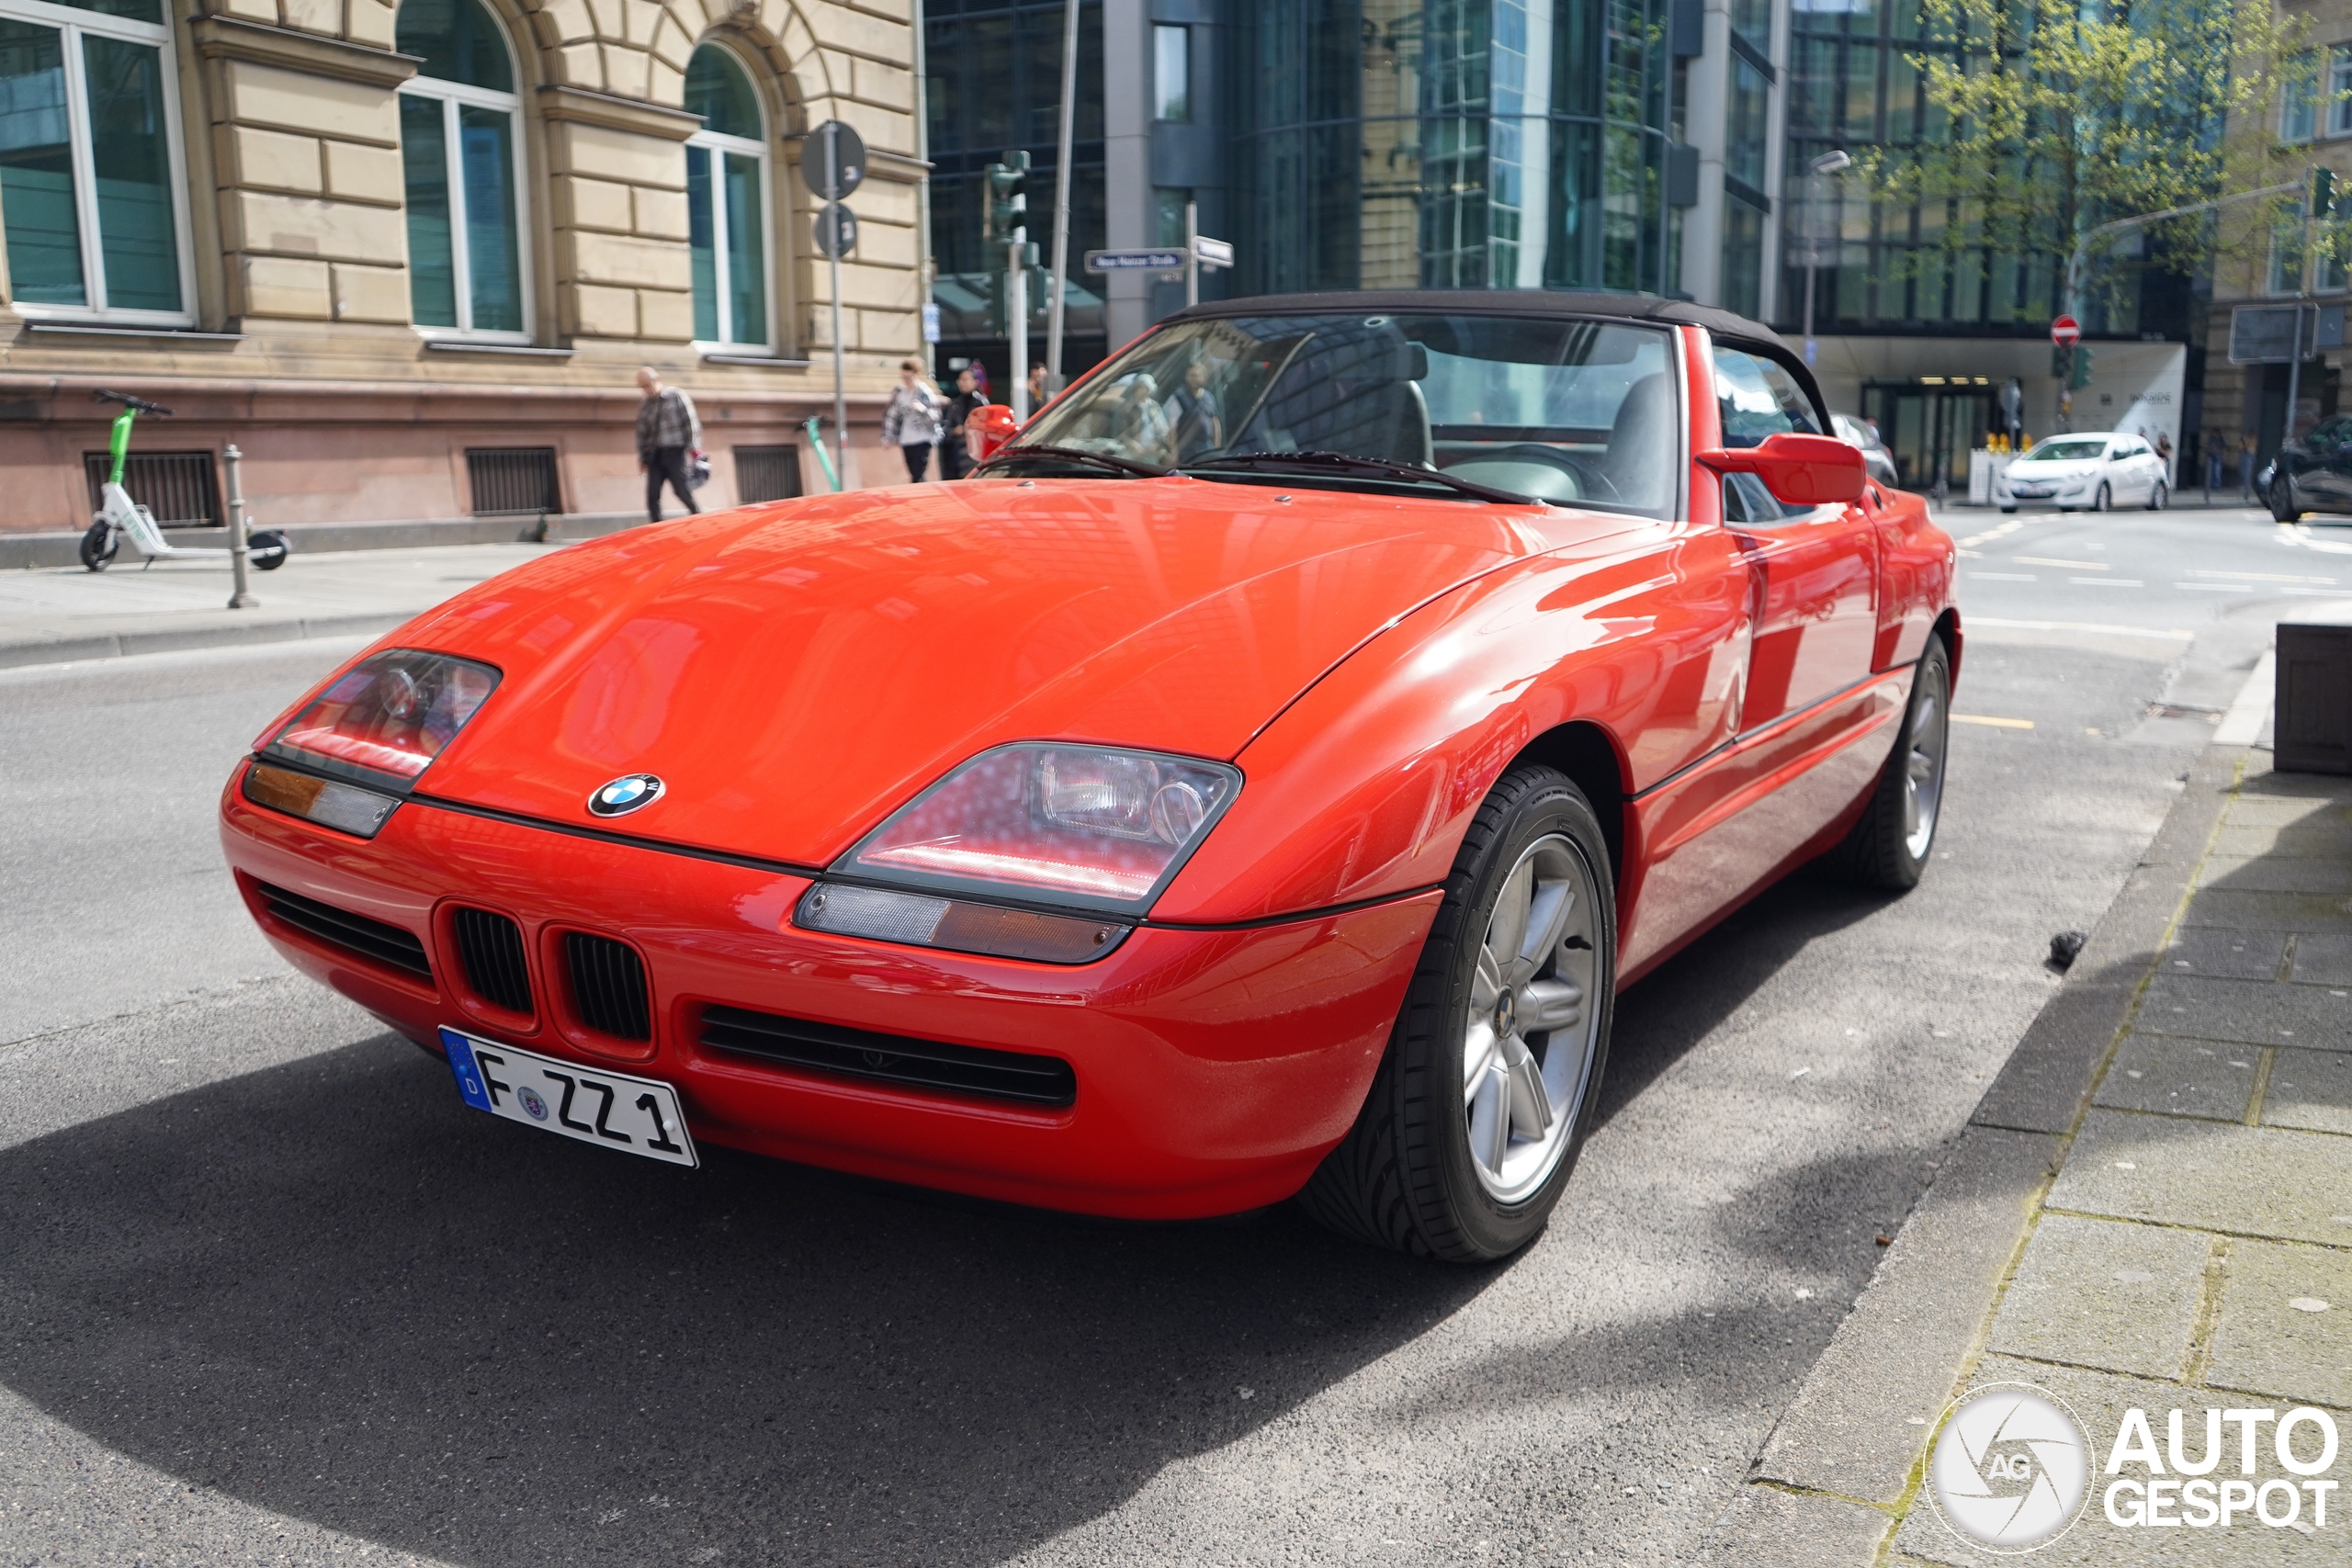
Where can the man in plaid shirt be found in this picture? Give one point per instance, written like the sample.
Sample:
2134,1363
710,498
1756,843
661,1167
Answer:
667,429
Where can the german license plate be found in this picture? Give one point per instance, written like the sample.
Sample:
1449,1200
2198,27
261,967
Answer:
613,1110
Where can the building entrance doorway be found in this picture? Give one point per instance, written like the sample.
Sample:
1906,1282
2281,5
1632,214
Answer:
1931,426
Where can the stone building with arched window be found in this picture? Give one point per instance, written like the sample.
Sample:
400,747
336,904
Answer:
408,257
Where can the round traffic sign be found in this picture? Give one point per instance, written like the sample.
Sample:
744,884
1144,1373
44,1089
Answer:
836,230
832,160
2065,331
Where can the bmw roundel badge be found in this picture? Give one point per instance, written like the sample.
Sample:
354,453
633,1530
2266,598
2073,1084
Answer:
625,795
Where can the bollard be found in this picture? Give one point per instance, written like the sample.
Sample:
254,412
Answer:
239,599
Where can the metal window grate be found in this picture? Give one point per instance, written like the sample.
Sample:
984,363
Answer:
891,1058
179,487
513,479
490,948
609,986
355,935
766,473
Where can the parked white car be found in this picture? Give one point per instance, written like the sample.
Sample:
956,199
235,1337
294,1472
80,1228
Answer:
2098,470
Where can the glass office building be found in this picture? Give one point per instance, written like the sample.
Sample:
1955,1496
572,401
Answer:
1454,145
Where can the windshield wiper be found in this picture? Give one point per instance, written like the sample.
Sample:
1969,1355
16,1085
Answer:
1348,463
1074,455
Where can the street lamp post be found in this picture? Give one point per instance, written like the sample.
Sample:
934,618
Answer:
1827,163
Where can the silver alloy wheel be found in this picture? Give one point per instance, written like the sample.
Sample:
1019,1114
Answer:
1528,1039
2159,496
1923,772
2104,500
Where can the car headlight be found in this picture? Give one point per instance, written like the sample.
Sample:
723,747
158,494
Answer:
1087,828
378,724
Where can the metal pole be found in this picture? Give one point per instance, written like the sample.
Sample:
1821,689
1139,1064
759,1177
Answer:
239,547
926,267
1016,318
833,262
1062,177
1192,253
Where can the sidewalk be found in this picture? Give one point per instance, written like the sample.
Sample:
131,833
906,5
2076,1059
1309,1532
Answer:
52,614
2151,1208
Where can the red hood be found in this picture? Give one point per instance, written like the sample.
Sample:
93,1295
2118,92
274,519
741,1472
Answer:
795,673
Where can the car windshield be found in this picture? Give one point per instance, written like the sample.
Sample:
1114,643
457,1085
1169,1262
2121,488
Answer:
1580,414
2066,451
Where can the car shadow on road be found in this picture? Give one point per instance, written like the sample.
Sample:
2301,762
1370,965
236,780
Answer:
1677,1005
328,1290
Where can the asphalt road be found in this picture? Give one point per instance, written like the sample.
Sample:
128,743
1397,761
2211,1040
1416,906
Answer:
270,1293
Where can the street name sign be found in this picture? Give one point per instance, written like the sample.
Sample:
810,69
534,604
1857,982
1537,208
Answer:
1135,261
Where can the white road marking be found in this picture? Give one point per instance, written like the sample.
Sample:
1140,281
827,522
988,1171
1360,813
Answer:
2102,629
2006,576
2108,581
2243,723
2256,577
2218,587
1989,721
2049,561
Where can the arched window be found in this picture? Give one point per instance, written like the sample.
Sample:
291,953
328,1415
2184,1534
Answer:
93,197
461,149
727,182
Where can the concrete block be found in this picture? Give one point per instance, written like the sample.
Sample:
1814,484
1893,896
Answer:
597,312
1849,1430
263,11
2323,958
671,43
578,64
666,317
319,106
369,22
666,84
277,286
2313,1090
891,204
2255,808
639,20
370,293
322,17
883,83
606,17
2276,874
1767,1528
626,69
2264,1343
2098,1294
289,225
271,159
2251,1011
2207,1174
2324,834
600,152
2268,911
846,30
2180,1078
568,21
2042,1086
584,203
586,257
660,214
365,174
2225,953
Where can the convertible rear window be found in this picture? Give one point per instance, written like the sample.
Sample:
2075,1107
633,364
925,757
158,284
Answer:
1577,413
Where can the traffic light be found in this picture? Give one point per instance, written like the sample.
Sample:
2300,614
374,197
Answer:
2071,366
2322,197
1008,199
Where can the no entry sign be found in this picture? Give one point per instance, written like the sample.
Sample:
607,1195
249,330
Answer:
2065,331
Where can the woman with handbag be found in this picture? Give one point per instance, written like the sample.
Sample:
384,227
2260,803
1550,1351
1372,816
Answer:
911,421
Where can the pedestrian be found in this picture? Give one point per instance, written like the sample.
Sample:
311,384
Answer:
1143,422
971,392
910,419
1194,416
1037,388
2164,452
667,429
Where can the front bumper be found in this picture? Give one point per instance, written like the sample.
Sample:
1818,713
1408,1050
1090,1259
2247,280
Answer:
1214,1068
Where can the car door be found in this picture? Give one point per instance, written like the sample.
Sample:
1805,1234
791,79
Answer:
2324,476
1814,568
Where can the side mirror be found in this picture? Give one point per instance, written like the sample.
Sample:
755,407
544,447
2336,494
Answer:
1802,470
988,428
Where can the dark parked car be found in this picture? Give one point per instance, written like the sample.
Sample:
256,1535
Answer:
2313,473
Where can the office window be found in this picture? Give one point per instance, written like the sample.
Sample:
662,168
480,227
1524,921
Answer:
91,188
462,148
1743,263
727,182
1168,207
1745,121
1171,72
1752,21
2299,116
2339,90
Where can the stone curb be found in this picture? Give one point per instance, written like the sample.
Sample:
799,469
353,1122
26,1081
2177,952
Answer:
178,640
21,552
1824,1489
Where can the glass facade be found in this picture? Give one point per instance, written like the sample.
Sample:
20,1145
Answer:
1453,144
86,189
458,156
995,84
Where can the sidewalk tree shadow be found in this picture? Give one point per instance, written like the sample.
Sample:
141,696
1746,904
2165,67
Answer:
330,1290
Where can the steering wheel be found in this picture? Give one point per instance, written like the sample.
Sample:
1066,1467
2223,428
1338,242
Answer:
1591,483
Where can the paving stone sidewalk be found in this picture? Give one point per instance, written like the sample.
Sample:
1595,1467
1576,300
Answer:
2177,1237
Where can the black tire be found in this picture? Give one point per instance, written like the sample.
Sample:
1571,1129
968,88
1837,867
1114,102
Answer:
1405,1177
2105,500
98,547
2008,508
2282,500
266,551
1883,850
2159,496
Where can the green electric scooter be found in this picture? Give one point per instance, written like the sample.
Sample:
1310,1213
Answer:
119,514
